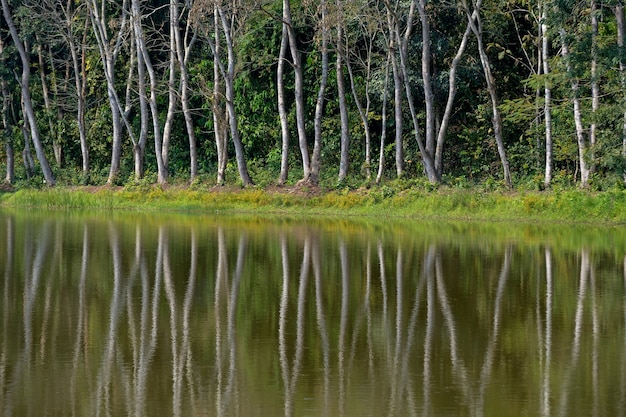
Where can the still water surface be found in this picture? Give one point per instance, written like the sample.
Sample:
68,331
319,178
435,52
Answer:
212,316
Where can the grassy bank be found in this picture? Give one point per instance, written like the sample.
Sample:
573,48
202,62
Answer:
568,206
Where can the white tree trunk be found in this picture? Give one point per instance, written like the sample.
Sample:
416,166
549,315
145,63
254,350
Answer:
476,25
547,106
578,119
28,105
319,104
298,91
282,110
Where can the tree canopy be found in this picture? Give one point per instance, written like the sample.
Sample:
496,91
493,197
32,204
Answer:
512,91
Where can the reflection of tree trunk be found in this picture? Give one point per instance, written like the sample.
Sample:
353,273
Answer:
8,274
578,323
32,276
147,342
547,349
383,290
485,374
321,321
117,304
343,322
224,395
383,122
290,376
221,281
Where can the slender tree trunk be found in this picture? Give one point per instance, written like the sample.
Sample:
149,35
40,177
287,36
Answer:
476,25
109,50
578,122
183,49
78,64
298,91
452,88
6,124
27,156
383,122
319,104
621,34
547,106
28,105
344,161
363,111
172,92
45,90
162,173
595,86
282,110
229,84
398,85
219,112
139,149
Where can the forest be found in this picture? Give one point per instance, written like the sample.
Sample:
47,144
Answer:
515,93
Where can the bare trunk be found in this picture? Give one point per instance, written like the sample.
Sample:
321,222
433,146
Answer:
298,92
621,34
282,111
547,106
45,90
229,84
28,106
595,88
580,134
108,54
476,25
79,64
452,88
343,108
139,149
398,85
383,130
162,173
219,117
183,49
363,111
319,105
6,124
171,86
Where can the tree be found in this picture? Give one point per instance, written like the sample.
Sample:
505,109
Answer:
110,36
475,22
6,123
29,112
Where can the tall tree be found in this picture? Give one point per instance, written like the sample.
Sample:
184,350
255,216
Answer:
547,106
6,123
110,34
26,98
184,44
140,40
344,161
475,21
324,29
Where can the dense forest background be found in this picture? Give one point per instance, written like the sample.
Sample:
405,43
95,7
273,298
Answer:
514,92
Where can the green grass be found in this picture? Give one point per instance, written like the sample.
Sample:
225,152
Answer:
573,206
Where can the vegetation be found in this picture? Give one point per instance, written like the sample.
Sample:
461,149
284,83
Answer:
396,199
525,95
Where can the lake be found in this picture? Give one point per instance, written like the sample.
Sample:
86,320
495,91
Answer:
190,315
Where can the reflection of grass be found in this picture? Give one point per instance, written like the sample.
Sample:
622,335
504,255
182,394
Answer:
568,206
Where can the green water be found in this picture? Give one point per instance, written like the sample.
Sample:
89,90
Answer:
116,315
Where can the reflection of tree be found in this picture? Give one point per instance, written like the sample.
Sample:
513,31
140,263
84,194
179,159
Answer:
227,397
33,268
290,376
475,400
8,273
578,324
